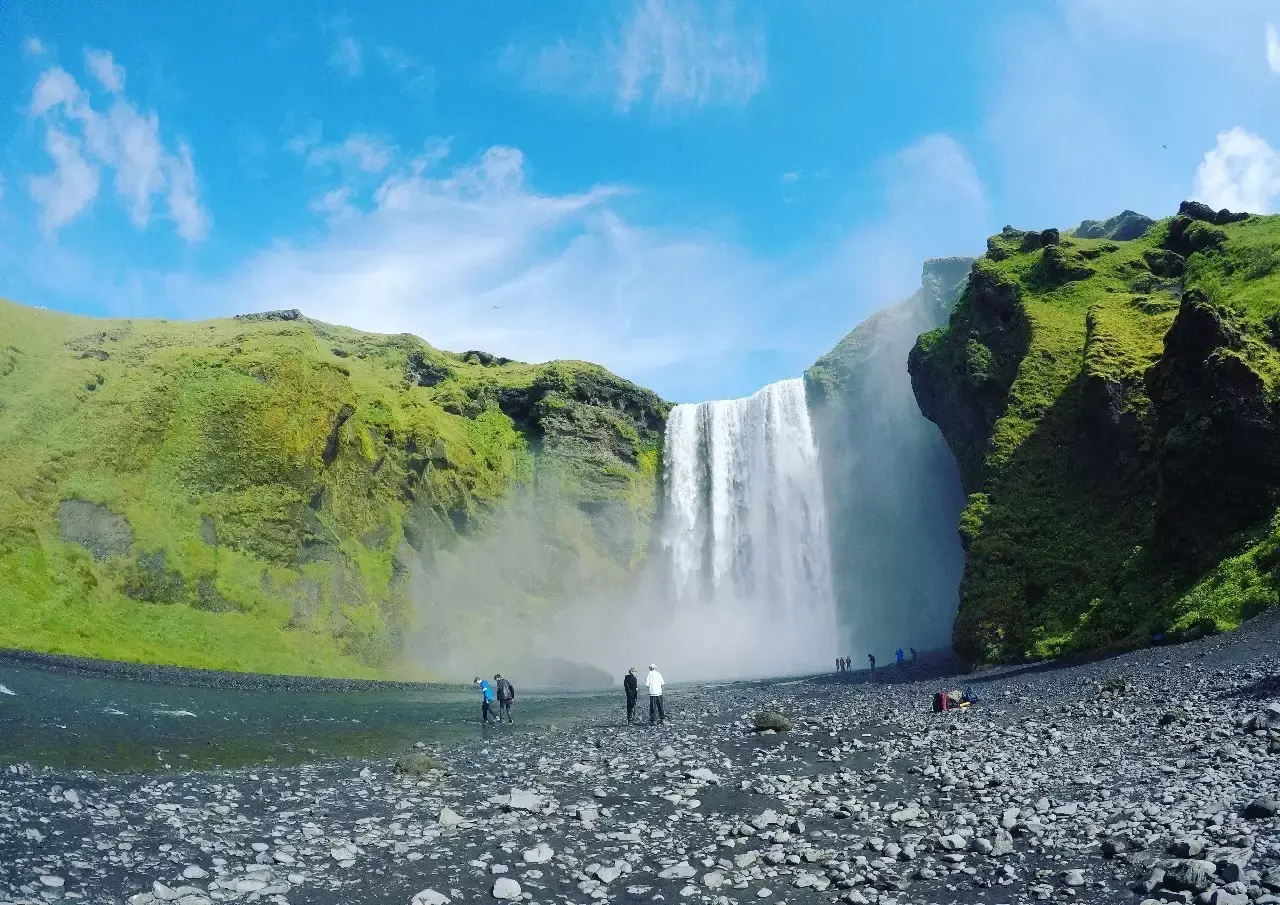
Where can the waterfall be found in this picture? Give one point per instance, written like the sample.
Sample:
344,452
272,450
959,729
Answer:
745,539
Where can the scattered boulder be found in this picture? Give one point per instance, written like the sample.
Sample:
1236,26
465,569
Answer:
521,800
506,889
418,763
1261,808
771,719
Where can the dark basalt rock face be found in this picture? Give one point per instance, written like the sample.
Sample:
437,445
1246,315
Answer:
1218,433
286,314
961,377
1122,227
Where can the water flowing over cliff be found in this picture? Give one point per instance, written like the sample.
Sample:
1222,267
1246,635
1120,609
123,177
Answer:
744,534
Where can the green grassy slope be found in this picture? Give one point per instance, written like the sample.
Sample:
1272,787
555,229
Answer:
1113,409
270,493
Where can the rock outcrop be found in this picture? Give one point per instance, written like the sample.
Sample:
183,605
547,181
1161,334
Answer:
1110,399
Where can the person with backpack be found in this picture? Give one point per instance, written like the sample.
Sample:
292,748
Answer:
654,683
631,686
872,659
506,697
486,699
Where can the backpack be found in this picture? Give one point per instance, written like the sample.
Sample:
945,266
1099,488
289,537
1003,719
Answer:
506,691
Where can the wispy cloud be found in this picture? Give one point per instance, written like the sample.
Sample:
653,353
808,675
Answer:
360,151
1242,172
1273,48
668,54
346,54
681,53
471,255
66,192
119,137
34,46
417,77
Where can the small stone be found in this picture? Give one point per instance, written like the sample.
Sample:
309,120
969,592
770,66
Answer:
1073,877
194,872
682,871
448,817
430,897
52,882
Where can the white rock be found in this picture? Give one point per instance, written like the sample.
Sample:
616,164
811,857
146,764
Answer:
521,800
163,892
539,854
430,897
682,871
194,872
51,881
713,880
506,888
448,817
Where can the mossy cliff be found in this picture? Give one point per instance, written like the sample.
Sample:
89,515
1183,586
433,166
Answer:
1112,405
275,494
888,475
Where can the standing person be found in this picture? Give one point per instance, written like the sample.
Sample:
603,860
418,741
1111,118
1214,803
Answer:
839,665
872,658
901,657
914,655
486,699
631,686
506,697
654,683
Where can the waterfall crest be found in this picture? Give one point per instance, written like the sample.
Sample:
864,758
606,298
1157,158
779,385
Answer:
744,534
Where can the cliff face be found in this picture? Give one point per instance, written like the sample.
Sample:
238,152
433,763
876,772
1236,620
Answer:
893,496
1112,407
275,494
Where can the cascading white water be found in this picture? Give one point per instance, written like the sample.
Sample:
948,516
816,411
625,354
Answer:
745,537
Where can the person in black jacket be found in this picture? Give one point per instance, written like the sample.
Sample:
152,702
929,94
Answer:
630,686
506,697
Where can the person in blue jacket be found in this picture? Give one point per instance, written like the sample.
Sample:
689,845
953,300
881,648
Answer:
486,698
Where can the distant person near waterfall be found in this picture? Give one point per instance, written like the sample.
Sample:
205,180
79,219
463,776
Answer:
914,656
654,683
506,697
486,699
872,658
632,687
901,657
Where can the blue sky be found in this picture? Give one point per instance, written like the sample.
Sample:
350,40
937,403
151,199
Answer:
703,195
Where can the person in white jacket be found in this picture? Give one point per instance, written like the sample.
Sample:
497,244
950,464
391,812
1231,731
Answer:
654,683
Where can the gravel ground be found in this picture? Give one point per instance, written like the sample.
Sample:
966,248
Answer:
1151,776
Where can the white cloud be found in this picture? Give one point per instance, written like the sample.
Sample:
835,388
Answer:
184,205
334,204
34,46
472,256
120,138
365,152
66,192
669,53
1242,173
1273,49
346,54
104,68
678,54
418,77
790,177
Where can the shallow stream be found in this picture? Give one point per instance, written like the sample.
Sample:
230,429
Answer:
76,721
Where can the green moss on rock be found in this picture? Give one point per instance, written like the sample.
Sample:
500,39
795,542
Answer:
1117,430
254,493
